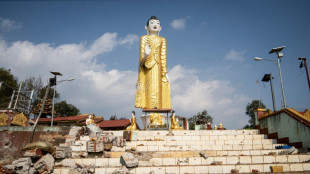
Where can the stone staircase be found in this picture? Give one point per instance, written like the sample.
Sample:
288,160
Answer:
228,151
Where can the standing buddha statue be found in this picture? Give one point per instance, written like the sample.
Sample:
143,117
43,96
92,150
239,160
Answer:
153,88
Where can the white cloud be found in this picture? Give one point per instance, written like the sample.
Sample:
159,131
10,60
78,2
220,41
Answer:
108,92
179,24
233,55
190,95
7,25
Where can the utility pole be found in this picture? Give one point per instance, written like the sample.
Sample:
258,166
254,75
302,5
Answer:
303,63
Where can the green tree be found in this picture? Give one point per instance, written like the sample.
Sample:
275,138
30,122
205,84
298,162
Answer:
6,92
250,111
113,117
201,118
64,109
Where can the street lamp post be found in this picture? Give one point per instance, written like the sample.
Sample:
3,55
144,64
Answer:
279,55
303,63
267,78
52,120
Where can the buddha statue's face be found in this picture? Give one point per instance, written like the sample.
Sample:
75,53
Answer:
154,26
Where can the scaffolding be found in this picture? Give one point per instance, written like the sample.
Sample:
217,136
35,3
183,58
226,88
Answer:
20,101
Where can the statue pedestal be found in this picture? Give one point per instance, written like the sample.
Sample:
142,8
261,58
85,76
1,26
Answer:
147,117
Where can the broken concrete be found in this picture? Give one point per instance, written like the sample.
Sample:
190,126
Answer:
121,170
63,152
203,154
129,160
95,146
45,164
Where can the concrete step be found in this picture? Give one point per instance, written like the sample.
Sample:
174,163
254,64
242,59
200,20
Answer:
186,154
243,168
202,142
191,132
173,148
197,161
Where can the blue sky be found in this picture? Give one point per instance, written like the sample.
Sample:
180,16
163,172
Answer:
211,46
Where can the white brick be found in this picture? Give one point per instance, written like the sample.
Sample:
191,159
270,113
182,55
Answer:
296,167
57,171
247,147
152,148
172,170
243,168
141,148
219,142
76,148
227,147
281,159
245,152
258,167
258,160
144,163
195,138
151,143
186,169
210,142
227,168
247,142
232,160
156,161
303,158
100,170
267,146
286,167
306,166
204,137
256,152
213,137
194,161
159,170
114,162
84,138
163,148
200,169
187,138
221,153
223,159
233,153
102,162
257,146
215,169
143,170
207,161
237,147
88,162
190,143
292,158
245,159
169,161
223,138
269,159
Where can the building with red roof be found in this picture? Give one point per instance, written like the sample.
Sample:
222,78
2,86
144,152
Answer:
115,124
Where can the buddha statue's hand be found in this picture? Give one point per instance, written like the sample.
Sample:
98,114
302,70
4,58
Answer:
165,78
147,50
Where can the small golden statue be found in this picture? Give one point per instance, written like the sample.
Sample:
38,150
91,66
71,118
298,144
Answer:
133,121
220,126
156,119
174,123
215,127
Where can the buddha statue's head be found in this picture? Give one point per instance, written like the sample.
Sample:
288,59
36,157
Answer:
133,113
153,26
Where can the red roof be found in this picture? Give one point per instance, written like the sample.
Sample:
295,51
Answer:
114,123
69,118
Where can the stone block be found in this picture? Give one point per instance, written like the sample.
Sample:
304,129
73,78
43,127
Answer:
63,152
107,146
45,164
158,170
156,161
257,159
121,170
129,160
95,146
293,158
34,153
21,165
182,161
169,161
277,169
232,159
119,141
215,169
245,159
296,167
243,168
281,159
269,159
143,170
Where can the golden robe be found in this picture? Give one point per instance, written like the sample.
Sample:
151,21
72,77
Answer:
153,88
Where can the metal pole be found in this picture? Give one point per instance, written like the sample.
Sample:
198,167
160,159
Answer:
17,97
272,93
283,96
42,107
307,72
53,106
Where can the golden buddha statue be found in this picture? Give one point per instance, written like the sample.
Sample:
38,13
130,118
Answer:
133,121
215,127
220,125
153,88
174,123
156,119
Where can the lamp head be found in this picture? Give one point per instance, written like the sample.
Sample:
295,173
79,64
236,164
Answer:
257,59
70,79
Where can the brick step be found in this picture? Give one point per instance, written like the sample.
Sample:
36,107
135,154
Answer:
243,168
155,148
191,132
186,154
255,159
203,142
200,137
